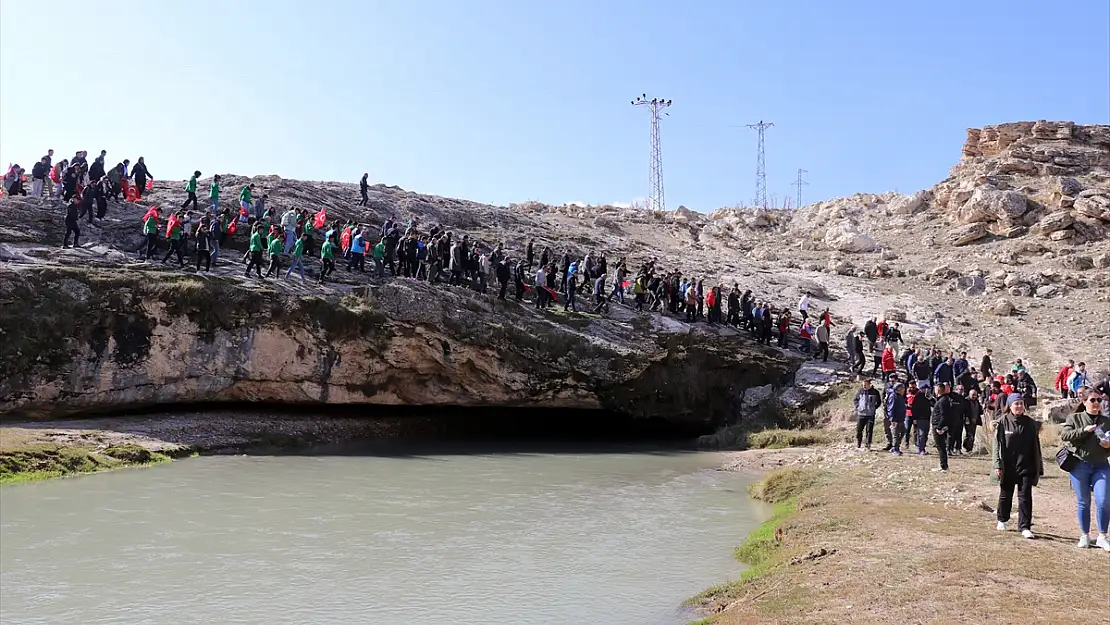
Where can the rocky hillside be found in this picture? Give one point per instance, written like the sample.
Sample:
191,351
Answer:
1009,252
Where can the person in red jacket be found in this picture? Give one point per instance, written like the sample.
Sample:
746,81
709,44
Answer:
1062,376
888,362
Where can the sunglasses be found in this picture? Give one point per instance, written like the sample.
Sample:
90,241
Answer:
1094,400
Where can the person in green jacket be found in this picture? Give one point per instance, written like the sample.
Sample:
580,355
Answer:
174,235
246,198
150,230
1087,436
298,257
274,249
191,189
327,257
214,196
255,251
379,259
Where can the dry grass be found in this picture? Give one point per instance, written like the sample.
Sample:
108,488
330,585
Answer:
780,439
905,554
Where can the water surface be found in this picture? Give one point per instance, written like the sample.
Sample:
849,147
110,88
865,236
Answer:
434,538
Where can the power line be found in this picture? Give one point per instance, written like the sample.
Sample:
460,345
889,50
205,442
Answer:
800,183
761,165
655,177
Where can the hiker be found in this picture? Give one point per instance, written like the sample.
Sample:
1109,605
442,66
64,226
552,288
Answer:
599,295
1086,436
1077,379
141,175
274,248
973,418
867,403
888,362
1017,463
920,410
297,261
204,236
572,286
327,256
214,196
191,189
895,418
255,252
246,199
986,366
174,231
150,231
72,224
941,421
803,306
871,331
363,186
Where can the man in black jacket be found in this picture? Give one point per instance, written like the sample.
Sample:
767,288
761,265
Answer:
941,418
973,418
920,409
986,366
1017,463
960,408
871,329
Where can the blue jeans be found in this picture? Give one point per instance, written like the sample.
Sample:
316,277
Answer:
290,240
1085,478
298,264
215,206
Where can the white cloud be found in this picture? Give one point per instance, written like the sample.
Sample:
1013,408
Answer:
637,202
577,203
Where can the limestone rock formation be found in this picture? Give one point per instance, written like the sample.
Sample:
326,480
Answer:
75,340
846,237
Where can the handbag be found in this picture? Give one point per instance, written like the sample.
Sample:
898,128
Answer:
1066,459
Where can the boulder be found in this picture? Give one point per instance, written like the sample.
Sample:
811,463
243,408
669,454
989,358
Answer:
986,205
1102,261
1094,206
1066,185
968,233
846,237
910,204
1053,222
1001,307
971,285
1057,410
1061,235
1047,291
764,254
894,314
1078,262
944,272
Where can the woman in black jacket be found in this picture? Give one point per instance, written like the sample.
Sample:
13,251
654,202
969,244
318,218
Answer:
1017,463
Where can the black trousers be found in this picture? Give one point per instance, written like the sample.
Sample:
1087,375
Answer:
822,349
71,227
364,200
254,263
327,266
206,256
864,424
1024,485
275,265
955,436
151,245
941,441
192,198
504,287
969,436
175,248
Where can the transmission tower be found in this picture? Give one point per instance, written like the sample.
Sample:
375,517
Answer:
761,166
655,178
800,183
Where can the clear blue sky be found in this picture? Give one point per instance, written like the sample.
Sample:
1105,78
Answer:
511,100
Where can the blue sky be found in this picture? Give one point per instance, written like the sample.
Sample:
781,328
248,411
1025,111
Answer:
503,101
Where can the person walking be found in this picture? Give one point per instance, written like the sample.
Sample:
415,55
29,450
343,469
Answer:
191,189
327,256
1017,464
141,175
822,343
867,403
204,236
214,196
895,418
297,261
1087,436
363,187
940,423
920,409
255,251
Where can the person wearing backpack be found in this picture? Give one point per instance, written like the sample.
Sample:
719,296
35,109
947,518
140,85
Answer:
867,403
1077,379
1017,464
1086,435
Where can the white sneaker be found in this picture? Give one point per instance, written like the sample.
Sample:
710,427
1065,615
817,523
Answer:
1084,542
1001,526
1103,543
1027,534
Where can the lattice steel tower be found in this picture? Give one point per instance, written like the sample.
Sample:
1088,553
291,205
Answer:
800,183
761,166
655,178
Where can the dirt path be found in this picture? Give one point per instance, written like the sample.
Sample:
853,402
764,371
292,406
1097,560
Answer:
904,544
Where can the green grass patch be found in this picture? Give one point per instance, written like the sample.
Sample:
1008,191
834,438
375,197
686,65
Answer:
783,485
48,460
781,439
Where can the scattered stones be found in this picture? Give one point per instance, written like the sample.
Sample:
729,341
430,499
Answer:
1078,262
894,314
1061,235
971,285
944,272
1047,291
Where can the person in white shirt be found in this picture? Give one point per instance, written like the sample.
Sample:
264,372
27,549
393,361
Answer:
541,292
289,226
803,306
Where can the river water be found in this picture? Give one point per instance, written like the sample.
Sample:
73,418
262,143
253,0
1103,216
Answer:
431,537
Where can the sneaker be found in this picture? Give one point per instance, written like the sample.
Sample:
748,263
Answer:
1001,526
897,452
888,447
1028,534
921,453
1103,543
1084,542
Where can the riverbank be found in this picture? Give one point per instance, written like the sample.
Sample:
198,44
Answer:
874,538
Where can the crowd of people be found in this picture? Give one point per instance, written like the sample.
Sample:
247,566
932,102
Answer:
926,396
943,399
